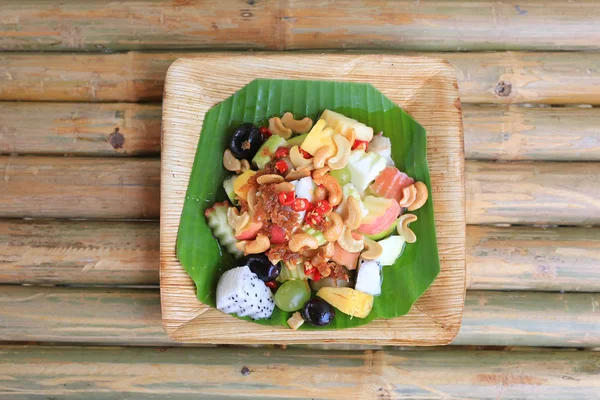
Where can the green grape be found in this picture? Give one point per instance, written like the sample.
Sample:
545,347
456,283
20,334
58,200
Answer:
292,295
341,175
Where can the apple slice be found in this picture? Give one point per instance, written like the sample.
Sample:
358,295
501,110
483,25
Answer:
382,215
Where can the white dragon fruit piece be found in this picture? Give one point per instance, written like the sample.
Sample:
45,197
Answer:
241,292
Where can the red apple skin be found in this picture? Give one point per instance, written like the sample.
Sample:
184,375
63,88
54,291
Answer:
250,231
383,222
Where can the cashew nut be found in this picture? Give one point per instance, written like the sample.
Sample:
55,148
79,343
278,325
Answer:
284,187
277,128
258,245
296,174
302,240
320,193
348,243
334,229
298,159
244,166
421,197
318,173
353,213
409,194
340,160
269,178
333,188
251,199
236,221
297,126
230,162
321,156
404,230
373,249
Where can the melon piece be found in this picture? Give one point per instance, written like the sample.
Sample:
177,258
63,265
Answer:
344,258
390,183
382,215
364,168
368,278
216,217
392,249
348,300
240,185
319,136
241,292
344,125
383,146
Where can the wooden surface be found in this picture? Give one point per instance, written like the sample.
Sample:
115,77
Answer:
491,132
497,77
95,25
138,373
123,316
425,87
126,254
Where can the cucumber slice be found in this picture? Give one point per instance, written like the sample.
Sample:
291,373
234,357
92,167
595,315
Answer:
217,220
315,233
287,274
228,186
266,151
296,140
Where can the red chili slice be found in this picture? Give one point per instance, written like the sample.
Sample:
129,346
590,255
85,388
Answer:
265,132
281,166
281,152
359,143
316,275
300,204
323,207
287,198
313,218
305,154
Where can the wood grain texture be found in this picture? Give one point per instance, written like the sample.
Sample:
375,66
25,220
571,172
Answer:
425,87
142,373
133,317
94,25
532,133
125,254
502,77
69,252
491,132
79,187
522,258
80,129
533,193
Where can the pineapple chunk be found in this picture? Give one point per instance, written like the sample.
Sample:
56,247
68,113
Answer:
240,185
344,125
319,136
348,300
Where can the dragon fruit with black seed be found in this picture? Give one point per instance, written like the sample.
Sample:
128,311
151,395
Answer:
241,292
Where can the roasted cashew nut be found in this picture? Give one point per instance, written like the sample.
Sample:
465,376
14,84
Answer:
284,187
348,243
230,162
302,240
298,160
334,230
333,188
403,229
236,221
245,166
321,156
258,245
373,249
251,199
320,259
421,197
318,173
409,194
269,178
297,126
277,128
340,159
353,214
320,193
296,174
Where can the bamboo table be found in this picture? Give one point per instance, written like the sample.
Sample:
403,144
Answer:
80,91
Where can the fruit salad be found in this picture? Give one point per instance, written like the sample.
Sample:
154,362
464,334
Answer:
315,212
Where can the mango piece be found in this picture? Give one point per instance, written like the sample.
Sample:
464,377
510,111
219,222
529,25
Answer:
348,300
320,135
240,185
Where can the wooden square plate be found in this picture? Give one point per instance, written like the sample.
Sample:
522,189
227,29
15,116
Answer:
426,88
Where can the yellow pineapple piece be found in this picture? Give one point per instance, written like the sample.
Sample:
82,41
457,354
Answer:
347,300
320,135
240,185
344,125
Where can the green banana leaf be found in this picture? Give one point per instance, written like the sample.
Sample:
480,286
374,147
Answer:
198,250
